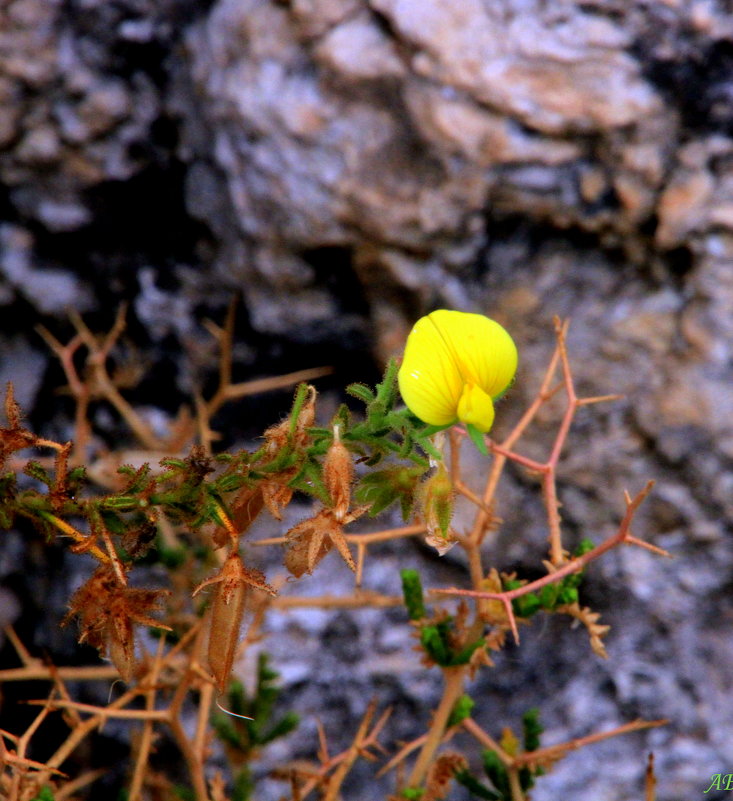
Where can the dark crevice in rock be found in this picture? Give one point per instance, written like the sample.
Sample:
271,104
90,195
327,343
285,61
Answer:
138,222
694,78
333,268
534,235
679,263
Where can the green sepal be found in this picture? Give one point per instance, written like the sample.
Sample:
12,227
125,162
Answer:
478,439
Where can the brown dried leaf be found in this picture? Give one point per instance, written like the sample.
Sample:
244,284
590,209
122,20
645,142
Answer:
589,619
441,774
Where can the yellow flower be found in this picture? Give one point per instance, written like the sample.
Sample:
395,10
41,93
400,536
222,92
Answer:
455,365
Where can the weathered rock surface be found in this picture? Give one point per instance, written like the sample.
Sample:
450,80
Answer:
350,165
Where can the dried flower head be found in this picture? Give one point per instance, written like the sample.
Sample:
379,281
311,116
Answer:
107,610
277,436
310,540
455,365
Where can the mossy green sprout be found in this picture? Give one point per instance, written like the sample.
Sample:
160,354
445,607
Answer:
456,364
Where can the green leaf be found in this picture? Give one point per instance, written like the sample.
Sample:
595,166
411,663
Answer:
532,729
476,788
387,388
282,460
139,478
243,785
226,731
463,657
44,794
406,504
584,547
381,488
567,595
496,772
179,465
548,596
183,792
39,473
361,391
287,723
406,448
113,522
433,640
413,594
170,557
230,482
462,710
378,496
526,605
77,476
301,396
376,415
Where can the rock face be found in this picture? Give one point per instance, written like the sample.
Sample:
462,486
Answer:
348,165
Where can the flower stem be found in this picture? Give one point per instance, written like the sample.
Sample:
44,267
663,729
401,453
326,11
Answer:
451,692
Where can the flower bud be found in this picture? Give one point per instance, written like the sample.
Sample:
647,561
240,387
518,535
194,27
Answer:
437,506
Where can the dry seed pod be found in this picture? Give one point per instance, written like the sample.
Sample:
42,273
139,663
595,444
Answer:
226,620
121,646
234,581
338,472
246,507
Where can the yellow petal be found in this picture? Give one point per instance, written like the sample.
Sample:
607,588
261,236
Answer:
429,378
484,351
456,359
476,407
